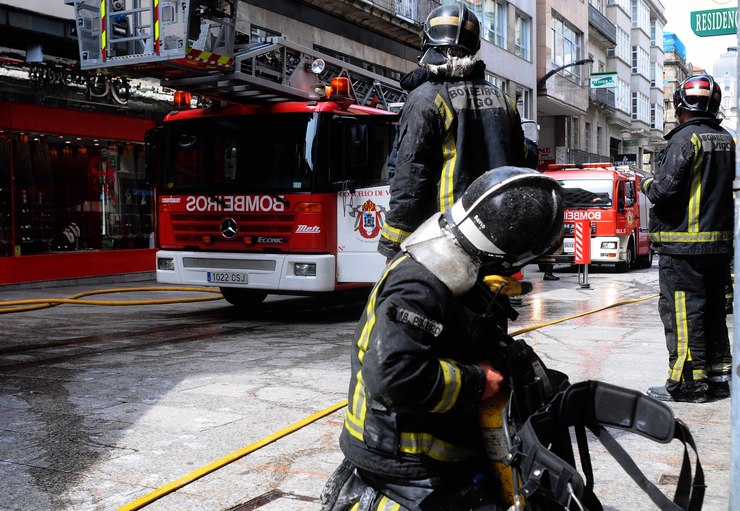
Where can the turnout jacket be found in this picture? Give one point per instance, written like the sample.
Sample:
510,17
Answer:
451,131
415,387
692,191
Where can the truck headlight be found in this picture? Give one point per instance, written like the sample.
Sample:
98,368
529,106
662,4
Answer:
608,245
165,263
305,269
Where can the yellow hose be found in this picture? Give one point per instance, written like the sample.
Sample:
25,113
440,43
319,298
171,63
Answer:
229,458
44,303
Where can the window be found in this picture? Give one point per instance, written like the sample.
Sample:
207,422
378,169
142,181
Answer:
370,66
640,107
494,22
640,61
587,137
497,81
575,129
73,193
522,37
261,35
523,101
623,96
623,45
599,139
656,32
624,4
566,47
640,15
656,116
656,74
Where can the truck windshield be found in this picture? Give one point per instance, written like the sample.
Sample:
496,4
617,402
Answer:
587,193
254,153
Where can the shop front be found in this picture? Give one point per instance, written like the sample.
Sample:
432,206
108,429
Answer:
74,201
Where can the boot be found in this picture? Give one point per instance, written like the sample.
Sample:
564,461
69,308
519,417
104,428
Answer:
696,392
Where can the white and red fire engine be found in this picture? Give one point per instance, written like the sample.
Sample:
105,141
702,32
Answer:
609,198
281,187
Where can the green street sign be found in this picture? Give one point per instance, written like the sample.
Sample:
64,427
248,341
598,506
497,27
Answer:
604,80
714,22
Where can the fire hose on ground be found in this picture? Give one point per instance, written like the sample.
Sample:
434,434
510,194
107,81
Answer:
244,451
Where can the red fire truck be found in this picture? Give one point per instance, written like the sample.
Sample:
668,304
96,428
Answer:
280,186
609,198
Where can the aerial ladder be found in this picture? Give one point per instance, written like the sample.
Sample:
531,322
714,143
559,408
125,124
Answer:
190,45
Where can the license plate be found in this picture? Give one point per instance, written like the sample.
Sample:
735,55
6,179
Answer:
227,277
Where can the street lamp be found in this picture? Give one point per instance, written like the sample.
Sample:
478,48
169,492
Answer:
541,81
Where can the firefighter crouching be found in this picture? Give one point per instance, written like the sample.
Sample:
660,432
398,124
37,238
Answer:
422,351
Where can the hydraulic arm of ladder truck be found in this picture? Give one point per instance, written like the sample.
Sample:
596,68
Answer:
190,45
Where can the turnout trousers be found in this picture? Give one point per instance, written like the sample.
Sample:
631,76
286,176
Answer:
692,309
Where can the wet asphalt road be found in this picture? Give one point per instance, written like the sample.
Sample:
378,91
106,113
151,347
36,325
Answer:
100,406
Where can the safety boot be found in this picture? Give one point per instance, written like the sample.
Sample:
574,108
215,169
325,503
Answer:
695,392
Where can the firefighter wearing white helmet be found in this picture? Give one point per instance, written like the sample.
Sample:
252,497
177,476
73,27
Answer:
691,228
453,127
424,352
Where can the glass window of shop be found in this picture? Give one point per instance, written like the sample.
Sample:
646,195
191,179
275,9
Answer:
71,193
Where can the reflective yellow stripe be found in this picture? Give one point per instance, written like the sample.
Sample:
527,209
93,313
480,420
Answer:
435,448
387,504
682,335
691,237
695,190
354,418
699,374
364,339
453,382
449,157
355,506
447,178
392,234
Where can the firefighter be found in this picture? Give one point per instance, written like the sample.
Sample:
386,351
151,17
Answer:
422,352
453,127
691,227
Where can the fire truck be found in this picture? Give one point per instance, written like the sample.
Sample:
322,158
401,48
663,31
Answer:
279,185
609,198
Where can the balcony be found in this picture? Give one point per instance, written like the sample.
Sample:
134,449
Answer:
398,19
604,31
605,98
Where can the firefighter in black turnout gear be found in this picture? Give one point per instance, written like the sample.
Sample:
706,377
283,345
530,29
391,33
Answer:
454,126
691,227
424,352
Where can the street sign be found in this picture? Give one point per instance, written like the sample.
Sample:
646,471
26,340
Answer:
604,80
714,22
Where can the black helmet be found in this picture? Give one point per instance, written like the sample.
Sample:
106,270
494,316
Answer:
508,216
453,26
698,93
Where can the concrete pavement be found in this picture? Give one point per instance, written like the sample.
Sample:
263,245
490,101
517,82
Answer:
100,406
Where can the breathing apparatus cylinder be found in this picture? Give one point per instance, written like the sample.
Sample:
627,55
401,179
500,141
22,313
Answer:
492,426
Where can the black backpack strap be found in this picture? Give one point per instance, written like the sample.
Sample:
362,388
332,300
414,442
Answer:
630,410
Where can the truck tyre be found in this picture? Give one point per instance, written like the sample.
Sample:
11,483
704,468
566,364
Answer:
243,297
646,261
624,266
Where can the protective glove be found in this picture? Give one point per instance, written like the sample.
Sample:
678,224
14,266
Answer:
507,286
645,184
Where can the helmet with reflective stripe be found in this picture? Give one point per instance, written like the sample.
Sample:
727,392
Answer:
698,93
508,216
451,26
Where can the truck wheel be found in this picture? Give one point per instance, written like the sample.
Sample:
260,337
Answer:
243,297
646,261
624,266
